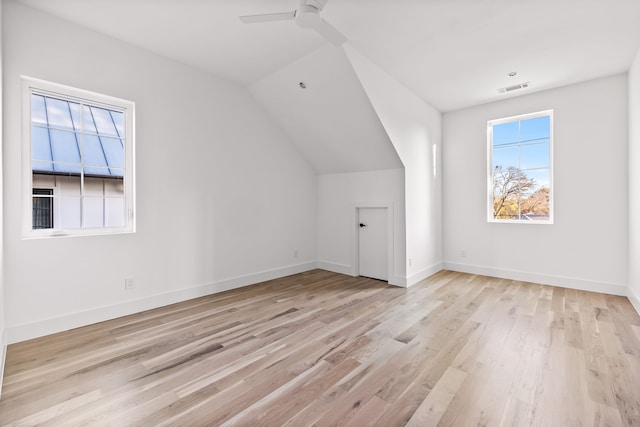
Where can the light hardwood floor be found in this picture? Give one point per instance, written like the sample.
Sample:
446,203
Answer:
327,349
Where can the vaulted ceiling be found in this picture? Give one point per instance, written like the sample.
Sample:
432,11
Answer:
451,53
331,119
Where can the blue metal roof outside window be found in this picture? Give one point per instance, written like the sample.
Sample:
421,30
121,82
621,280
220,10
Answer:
68,137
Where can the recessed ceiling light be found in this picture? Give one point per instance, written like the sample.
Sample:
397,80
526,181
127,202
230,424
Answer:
512,74
302,85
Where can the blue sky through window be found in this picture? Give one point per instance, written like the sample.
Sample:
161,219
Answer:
523,144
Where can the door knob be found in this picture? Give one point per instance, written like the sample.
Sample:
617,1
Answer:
362,225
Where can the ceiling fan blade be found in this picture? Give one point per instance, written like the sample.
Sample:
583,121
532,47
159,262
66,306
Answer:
268,17
330,33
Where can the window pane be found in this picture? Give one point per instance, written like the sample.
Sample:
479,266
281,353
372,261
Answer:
114,212
68,186
526,184
104,122
116,172
75,115
534,217
40,144
66,168
68,212
93,153
505,194
93,212
38,114
68,202
114,150
113,188
506,157
118,119
542,178
505,133
533,129
96,171
42,215
58,113
41,166
88,124
65,152
534,156
64,146
535,204
510,183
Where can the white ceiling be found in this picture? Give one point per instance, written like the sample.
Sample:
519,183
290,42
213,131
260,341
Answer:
331,121
451,53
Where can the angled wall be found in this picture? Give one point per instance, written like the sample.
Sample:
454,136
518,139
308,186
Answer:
414,129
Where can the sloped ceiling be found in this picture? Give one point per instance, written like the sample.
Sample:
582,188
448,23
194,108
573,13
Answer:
451,53
331,119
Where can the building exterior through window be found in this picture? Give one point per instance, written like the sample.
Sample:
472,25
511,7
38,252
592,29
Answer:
42,208
80,161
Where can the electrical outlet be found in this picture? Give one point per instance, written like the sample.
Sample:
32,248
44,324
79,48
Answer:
295,253
463,253
129,284
409,262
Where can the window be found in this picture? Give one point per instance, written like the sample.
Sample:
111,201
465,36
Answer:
42,208
520,168
77,161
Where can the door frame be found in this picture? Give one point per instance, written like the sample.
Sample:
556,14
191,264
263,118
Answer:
355,255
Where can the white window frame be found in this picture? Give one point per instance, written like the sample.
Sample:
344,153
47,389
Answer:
30,86
520,117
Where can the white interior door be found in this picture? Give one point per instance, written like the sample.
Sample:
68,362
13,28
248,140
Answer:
372,243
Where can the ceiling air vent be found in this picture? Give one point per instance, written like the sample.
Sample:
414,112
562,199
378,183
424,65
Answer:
514,87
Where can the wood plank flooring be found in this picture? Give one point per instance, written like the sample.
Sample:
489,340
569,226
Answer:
324,349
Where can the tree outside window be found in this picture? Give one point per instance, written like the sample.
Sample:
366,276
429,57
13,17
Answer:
520,168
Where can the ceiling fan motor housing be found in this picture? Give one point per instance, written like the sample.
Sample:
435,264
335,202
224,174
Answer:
307,16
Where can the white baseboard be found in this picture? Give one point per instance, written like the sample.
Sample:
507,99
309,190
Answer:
350,271
335,267
525,276
53,325
399,281
634,297
42,327
423,274
3,356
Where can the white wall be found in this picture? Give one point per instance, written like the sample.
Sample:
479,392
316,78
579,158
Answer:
223,197
634,183
3,334
586,246
338,197
414,128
